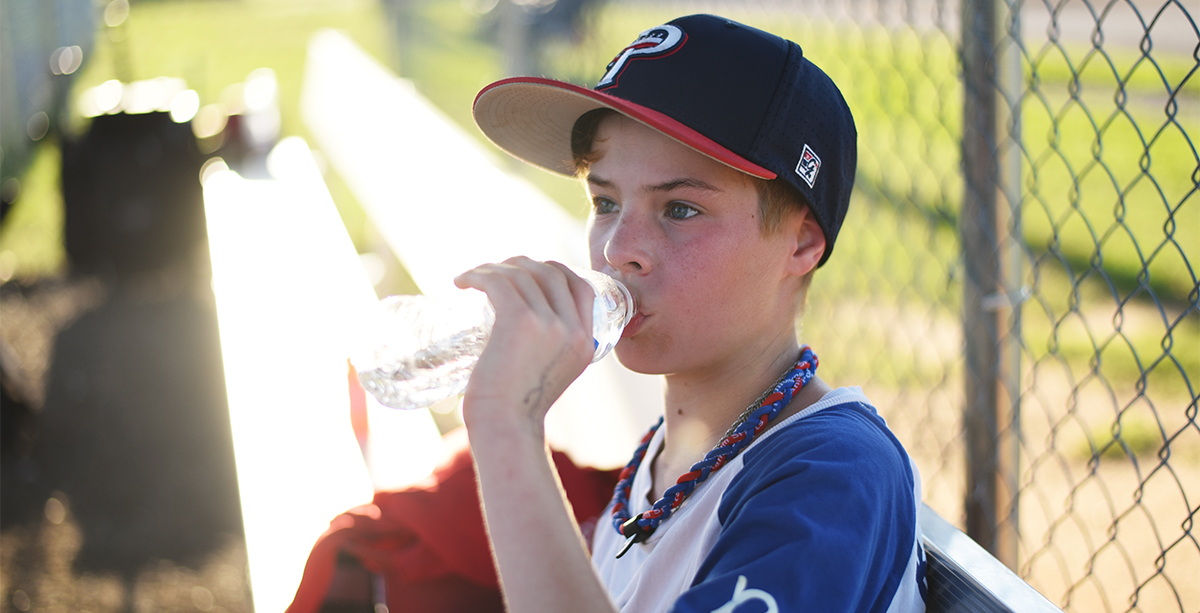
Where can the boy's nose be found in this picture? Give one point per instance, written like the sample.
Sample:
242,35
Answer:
625,246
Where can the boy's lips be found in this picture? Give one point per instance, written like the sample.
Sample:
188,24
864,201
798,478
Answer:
634,325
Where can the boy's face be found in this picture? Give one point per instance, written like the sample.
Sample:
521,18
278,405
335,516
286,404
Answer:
682,231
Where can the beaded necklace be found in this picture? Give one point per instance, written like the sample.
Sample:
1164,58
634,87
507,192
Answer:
749,424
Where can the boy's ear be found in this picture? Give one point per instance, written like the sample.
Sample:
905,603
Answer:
809,245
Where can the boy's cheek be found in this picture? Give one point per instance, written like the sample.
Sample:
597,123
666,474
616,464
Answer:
597,240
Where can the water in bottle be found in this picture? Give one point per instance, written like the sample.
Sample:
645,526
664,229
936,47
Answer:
424,347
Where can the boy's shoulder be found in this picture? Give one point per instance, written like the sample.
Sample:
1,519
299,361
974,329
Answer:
844,411
836,442
828,494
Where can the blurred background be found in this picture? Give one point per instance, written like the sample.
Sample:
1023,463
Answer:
1015,286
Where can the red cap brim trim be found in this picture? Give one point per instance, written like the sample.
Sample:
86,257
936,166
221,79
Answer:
523,118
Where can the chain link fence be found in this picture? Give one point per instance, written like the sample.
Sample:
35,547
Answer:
1016,283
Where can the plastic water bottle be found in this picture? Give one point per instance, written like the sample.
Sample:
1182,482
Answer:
424,347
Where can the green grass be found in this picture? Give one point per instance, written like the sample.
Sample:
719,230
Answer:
214,44
1115,187
1140,72
1132,435
32,235
211,45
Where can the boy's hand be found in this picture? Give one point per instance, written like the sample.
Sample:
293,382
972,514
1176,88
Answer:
541,342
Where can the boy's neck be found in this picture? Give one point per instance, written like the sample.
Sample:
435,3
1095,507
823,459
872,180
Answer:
700,407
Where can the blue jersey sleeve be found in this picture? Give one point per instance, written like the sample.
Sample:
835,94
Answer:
821,518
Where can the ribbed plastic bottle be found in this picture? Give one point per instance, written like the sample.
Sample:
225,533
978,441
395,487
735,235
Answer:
423,348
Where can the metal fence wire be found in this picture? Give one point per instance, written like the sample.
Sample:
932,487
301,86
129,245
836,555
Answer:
1016,284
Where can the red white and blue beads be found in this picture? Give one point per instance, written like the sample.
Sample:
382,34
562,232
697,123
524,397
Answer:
640,527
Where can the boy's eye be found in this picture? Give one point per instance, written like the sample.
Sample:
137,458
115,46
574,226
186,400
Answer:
603,205
678,210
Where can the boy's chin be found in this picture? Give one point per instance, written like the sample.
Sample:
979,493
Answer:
635,358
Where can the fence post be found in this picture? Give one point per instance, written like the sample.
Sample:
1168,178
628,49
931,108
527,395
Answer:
990,230
515,44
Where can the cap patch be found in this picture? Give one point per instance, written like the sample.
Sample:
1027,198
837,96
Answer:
808,166
655,42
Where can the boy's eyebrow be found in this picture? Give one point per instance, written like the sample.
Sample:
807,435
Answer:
598,181
665,186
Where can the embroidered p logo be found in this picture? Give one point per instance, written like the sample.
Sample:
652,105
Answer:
808,166
743,595
655,42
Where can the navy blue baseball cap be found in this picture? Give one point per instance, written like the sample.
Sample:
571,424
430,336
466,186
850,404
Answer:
739,95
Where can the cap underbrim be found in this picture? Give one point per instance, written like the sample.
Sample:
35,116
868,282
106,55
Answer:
532,118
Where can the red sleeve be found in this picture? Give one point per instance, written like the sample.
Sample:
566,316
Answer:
428,540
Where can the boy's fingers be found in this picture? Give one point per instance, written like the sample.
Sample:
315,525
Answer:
532,288
509,286
485,279
561,287
582,293
549,289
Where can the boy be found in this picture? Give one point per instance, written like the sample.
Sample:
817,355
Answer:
719,164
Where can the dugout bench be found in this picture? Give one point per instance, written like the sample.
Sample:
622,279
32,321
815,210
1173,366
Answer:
964,578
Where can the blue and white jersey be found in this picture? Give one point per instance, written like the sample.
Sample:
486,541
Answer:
818,514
